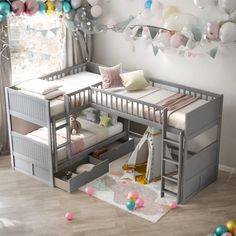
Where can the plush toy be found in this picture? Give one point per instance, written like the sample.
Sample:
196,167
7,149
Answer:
104,120
91,114
75,125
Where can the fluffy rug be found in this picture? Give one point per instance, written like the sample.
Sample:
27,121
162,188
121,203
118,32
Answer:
114,189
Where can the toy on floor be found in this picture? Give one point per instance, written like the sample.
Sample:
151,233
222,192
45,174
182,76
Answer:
133,195
130,204
69,216
231,225
89,191
75,125
229,229
139,203
173,205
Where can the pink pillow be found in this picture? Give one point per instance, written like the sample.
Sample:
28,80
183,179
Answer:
111,76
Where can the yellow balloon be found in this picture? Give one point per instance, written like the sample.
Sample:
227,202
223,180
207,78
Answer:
231,225
50,7
170,10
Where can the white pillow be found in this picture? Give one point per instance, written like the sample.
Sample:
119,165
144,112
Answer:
134,80
47,96
39,86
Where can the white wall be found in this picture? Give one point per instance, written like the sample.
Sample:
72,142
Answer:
216,75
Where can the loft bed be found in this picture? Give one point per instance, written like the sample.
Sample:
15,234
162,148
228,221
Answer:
40,137
195,169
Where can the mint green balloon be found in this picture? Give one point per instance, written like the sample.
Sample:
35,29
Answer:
66,6
5,8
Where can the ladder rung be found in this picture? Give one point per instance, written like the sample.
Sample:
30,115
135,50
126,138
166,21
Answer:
61,126
63,145
170,161
169,192
171,141
170,178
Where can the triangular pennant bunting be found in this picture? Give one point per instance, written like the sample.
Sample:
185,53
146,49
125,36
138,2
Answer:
213,52
155,49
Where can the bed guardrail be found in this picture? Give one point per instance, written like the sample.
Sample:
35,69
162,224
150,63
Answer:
132,107
65,72
205,95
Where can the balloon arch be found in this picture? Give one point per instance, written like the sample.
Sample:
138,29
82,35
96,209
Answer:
163,26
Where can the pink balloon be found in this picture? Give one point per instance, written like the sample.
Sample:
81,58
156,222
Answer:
133,195
139,203
89,191
173,204
226,234
176,40
18,7
31,7
212,31
164,38
69,215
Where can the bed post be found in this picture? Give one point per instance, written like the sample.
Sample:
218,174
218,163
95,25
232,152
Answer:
218,137
50,143
126,127
9,127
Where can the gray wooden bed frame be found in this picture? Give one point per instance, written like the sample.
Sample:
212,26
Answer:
195,170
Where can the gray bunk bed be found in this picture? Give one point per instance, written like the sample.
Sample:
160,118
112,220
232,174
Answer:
195,169
39,160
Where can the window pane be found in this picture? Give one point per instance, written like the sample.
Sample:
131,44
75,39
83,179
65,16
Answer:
37,45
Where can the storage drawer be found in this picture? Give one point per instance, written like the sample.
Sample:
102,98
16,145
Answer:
78,180
117,150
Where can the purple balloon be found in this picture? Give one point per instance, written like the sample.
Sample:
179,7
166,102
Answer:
31,7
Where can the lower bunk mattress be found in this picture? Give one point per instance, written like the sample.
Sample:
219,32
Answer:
90,134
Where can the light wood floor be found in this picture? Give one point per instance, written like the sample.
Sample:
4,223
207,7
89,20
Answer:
28,207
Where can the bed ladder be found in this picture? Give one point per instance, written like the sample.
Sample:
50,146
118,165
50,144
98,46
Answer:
62,124
174,159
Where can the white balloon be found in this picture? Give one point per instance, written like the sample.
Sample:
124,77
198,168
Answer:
76,4
156,8
96,11
228,32
228,5
205,3
93,2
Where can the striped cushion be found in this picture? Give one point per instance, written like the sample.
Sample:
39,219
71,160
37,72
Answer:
111,76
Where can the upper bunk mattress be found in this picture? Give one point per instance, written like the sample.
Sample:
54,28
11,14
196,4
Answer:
151,95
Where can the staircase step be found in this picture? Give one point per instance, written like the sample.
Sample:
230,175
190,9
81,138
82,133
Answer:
170,178
170,161
61,126
169,192
63,145
171,141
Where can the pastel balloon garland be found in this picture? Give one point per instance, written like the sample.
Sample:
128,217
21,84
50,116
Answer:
185,33
31,7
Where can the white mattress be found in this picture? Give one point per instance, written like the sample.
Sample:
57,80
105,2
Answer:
91,133
152,96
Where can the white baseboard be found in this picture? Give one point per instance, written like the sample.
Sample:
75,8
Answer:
228,169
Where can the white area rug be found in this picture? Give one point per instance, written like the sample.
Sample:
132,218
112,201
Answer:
112,190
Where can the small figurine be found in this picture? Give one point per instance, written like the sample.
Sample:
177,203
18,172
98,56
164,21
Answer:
75,125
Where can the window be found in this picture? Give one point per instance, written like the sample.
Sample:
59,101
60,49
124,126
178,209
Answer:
37,45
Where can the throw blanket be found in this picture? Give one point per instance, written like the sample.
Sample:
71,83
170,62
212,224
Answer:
77,142
173,103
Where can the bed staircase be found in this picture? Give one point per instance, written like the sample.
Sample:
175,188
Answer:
175,158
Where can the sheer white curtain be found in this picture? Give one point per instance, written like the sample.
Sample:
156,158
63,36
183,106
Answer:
5,80
78,51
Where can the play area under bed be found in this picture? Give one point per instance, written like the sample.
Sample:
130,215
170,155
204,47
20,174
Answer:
178,126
